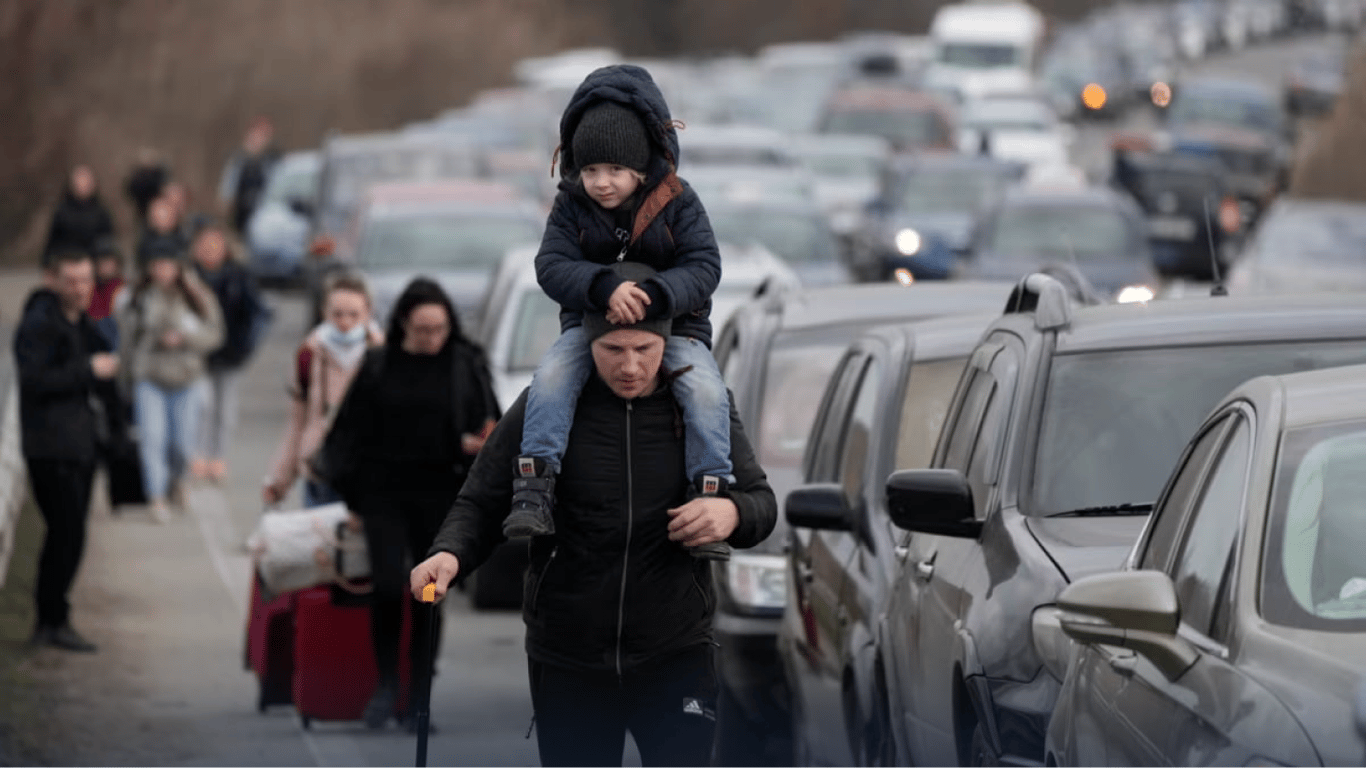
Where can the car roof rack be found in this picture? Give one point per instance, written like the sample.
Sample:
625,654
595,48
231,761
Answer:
1046,297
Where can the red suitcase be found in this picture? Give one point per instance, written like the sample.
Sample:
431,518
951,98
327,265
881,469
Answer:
270,645
334,663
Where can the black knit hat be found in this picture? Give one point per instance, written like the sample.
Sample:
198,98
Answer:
595,324
611,133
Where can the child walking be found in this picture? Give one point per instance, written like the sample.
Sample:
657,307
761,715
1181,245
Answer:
620,199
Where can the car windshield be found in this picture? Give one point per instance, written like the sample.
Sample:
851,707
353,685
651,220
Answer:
349,176
979,55
443,241
1086,233
1115,422
1314,575
535,326
904,128
843,165
951,190
290,183
796,237
1330,237
1239,113
799,366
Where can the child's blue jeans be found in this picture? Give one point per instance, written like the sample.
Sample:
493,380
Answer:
701,393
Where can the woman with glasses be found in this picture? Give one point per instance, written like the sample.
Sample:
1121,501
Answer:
403,439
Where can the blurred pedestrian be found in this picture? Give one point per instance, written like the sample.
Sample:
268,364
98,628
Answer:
244,314
81,219
407,431
619,619
326,362
247,171
149,174
169,326
109,282
65,368
164,231
621,201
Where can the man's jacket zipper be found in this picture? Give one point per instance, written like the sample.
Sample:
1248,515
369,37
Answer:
630,520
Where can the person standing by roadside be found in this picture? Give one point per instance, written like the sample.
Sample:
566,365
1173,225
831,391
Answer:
245,314
64,366
150,173
169,326
618,613
247,171
398,451
81,219
109,283
323,368
163,230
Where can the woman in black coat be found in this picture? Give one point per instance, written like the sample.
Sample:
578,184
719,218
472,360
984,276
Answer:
403,440
81,221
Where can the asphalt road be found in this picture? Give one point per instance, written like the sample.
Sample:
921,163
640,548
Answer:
167,604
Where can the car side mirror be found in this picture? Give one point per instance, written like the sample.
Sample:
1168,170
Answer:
1131,609
936,501
821,506
301,206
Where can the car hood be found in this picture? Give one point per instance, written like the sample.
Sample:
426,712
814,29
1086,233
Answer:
822,273
465,287
955,228
1082,546
276,225
1107,276
1028,147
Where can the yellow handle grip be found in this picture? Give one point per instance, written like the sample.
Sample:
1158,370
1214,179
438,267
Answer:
429,593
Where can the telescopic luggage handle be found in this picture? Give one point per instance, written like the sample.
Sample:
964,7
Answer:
423,714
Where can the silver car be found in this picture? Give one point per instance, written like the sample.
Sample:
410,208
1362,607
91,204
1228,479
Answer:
1236,635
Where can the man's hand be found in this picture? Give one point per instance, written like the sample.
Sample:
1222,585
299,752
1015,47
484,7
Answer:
471,444
627,304
104,365
703,521
439,569
172,339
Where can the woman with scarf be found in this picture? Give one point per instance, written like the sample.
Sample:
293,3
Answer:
327,361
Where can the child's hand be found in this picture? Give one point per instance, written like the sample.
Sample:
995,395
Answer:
627,304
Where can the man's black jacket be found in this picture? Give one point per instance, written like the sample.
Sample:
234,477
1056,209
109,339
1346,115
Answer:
56,385
609,590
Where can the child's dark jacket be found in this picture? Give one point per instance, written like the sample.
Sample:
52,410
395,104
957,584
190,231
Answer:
669,231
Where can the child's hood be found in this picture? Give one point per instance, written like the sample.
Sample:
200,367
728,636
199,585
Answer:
631,86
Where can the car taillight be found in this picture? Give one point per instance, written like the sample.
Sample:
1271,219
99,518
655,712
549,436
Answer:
1230,215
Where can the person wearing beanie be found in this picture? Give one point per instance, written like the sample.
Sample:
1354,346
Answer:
619,616
622,203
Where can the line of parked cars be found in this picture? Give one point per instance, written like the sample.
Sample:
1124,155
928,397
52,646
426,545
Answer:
947,615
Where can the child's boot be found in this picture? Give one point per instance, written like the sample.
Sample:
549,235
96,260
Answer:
533,499
704,486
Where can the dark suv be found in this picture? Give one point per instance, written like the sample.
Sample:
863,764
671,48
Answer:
1062,432
776,355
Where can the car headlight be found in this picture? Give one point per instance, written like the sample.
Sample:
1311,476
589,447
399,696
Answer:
1134,294
757,581
1050,643
908,242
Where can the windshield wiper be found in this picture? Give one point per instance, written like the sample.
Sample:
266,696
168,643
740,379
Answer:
1107,510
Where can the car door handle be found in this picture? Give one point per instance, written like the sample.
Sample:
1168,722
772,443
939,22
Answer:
805,572
924,569
1124,665
842,616
901,551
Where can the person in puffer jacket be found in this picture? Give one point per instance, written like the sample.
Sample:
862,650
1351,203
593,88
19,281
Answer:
621,200
618,615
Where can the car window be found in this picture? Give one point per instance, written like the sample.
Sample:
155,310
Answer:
828,429
535,327
1165,527
1314,575
969,420
794,381
442,241
953,190
1115,421
984,465
798,238
1215,522
929,392
858,438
